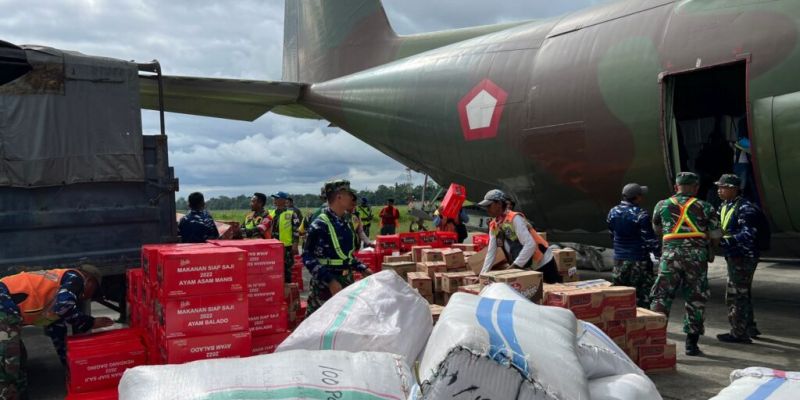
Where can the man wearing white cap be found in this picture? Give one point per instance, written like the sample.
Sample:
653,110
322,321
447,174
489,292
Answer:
511,231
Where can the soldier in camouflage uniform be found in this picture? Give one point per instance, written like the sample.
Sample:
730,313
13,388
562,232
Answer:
328,250
690,228
739,227
634,240
257,222
43,298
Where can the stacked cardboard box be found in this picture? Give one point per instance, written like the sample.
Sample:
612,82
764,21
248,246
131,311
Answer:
423,283
641,333
386,245
567,264
297,272
96,362
409,240
400,268
528,283
480,241
370,258
416,253
428,238
446,239
268,309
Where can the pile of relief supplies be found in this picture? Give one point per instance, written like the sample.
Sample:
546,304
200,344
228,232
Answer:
376,340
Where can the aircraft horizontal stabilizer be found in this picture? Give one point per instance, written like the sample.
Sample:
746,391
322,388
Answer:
244,100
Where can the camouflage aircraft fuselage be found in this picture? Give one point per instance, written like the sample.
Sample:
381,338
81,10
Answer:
562,113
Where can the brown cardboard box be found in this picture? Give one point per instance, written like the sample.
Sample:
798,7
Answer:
471,289
422,282
437,282
476,260
565,258
595,304
468,254
491,276
454,258
464,246
436,311
400,258
527,283
452,280
656,357
648,327
472,280
401,268
570,275
431,268
616,331
416,252
430,255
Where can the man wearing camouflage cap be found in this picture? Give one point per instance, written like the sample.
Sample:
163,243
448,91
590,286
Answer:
329,247
739,218
689,229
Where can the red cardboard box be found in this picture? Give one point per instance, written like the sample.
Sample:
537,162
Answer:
267,320
596,304
264,290
266,344
480,240
201,271
453,200
387,244
371,259
150,257
615,331
446,239
202,315
428,238
409,240
264,256
648,327
182,350
657,357
107,394
97,362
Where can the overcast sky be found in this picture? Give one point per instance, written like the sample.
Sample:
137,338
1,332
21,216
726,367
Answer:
241,39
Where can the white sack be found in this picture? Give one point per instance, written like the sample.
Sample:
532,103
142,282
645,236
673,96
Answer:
761,383
295,374
623,387
598,354
379,313
489,348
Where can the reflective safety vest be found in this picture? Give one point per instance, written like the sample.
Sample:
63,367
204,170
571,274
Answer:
342,258
364,214
41,288
726,214
507,227
284,224
684,228
252,220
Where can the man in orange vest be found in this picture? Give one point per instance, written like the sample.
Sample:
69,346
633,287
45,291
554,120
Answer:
511,232
50,299
690,229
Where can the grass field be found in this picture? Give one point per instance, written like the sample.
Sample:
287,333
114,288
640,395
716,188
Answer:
405,218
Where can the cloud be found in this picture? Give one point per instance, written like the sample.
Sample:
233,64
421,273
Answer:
241,39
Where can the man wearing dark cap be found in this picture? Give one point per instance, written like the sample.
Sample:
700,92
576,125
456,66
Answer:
50,299
329,246
255,217
739,219
689,229
286,228
634,240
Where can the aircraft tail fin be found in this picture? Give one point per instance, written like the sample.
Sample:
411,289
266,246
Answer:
326,39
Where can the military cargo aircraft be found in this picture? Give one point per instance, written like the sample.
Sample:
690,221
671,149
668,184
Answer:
560,113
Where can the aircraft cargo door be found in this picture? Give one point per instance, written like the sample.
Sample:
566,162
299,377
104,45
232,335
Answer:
786,133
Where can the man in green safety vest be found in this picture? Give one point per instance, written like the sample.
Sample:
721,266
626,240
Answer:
690,229
329,246
255,217
364,212
286,228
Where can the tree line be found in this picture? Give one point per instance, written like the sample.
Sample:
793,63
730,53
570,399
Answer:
400,192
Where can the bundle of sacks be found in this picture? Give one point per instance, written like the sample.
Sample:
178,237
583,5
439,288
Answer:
761,383
364,342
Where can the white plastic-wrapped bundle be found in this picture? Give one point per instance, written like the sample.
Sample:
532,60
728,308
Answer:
598,354
623,387
761,383
379,313
491,348
298,374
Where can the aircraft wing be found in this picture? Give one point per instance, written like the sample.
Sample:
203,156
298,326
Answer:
244,100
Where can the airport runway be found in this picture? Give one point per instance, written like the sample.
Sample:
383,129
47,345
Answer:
776,296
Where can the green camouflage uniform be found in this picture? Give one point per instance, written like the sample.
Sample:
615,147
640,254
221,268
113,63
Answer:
684,261
13,380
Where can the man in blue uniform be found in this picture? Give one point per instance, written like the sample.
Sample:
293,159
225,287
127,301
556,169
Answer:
197,226
634,240
738,218
329,247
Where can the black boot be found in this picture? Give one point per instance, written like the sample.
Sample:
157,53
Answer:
691,345
753,332
730,338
